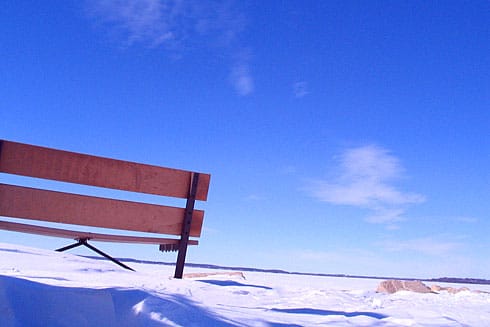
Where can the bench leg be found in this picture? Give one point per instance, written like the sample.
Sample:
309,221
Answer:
186,226
68,247
83,241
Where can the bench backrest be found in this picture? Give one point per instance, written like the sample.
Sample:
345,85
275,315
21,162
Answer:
40,162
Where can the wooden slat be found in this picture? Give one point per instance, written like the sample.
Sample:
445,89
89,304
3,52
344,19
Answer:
58,232
35,161
58,207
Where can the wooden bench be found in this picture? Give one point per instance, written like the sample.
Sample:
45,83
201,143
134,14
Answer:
67,208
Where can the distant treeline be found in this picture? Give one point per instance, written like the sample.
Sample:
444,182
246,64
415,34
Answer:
460,280
454,280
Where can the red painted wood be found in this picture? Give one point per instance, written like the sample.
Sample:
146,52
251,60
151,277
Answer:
30,203
35,161
58,232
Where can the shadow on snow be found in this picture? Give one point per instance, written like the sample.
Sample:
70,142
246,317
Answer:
231,283
309,311
28,303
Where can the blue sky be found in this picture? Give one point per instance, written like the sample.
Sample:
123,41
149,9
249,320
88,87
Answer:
342,136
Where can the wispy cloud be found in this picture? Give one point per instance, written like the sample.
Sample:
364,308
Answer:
426,246
383,215
337,260
366,178
177,25
242,79
466,219
288,170
432,256
254,197
210,231
300,89
151,22
337,255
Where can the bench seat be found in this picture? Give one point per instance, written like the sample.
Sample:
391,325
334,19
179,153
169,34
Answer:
75,235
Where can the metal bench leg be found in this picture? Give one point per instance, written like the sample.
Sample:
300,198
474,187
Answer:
68,247
83,241
186,226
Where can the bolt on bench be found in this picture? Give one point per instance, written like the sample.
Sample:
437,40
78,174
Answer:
68,208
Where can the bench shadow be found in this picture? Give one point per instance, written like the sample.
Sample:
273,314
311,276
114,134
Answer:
231,283
310,311
17,251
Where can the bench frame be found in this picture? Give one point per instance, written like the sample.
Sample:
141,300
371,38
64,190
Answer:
60,207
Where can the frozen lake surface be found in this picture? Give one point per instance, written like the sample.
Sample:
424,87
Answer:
47,288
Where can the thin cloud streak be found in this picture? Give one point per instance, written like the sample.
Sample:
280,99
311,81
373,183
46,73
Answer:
365,179
242,80
386,215
426,246
466,220
150,22
300,89
338,255
176,25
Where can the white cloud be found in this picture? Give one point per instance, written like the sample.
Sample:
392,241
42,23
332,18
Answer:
254,197
342,260
337,255
427,246
288,170
466,219
150,22
210,231
386,215
300,89
365,178
178,25
242,79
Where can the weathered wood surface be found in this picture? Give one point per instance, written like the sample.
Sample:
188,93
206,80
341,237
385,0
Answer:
30,203
58,232
35,161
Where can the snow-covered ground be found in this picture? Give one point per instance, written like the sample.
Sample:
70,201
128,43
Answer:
47,288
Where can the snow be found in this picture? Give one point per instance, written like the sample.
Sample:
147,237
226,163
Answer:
48,288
